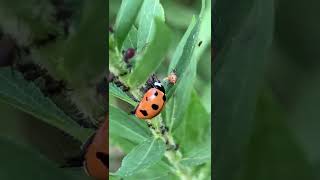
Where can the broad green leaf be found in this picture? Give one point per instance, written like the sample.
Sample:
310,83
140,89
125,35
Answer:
21,162
159,170
195,126
127,126
14,90
150,10
204,35
186,67
131,41
180,48
125,19
148,153
153,56
235,86
117,92
183,56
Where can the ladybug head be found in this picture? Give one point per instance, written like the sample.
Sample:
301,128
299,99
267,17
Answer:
159,86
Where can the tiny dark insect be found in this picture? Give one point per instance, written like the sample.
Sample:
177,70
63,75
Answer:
128,54
199,44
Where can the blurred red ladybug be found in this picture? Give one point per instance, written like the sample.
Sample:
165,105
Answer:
96,159
95,154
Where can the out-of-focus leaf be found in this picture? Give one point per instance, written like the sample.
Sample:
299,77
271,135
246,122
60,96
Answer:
153,56
236,83
273,146
14,90
150,10
148,153
127,126
195,127
177,15
131,41
125,19
117,92
31,165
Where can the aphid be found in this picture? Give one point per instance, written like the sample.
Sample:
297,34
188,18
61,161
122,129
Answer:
128,54
199,44
152,102
172,78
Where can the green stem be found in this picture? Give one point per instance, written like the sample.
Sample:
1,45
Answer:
173,156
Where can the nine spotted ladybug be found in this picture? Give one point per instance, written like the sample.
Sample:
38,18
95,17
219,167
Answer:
152,102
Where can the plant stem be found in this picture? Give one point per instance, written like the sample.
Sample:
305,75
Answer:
173,155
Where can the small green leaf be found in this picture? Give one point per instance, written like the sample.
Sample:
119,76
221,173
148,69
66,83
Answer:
154,55
117,92
21,162
127,126
125,19
149,11
16,91
143,156
131,41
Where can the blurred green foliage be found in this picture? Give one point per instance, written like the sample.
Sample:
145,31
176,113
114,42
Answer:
68,38
266,90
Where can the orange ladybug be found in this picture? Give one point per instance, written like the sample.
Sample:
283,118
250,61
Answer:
152,102
94,157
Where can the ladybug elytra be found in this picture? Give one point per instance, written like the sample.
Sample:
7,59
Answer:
152,102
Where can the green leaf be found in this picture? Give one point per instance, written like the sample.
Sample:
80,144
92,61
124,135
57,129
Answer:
159,170
117,92
195,126
150,10
21,162
199,155
127,126
14,90
236,83
131,41
125,19
143,156
182,58
180,48
154,55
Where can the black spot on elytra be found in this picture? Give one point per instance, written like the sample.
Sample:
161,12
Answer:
156,93
164,98
155,107
104,158
144,112
146,98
